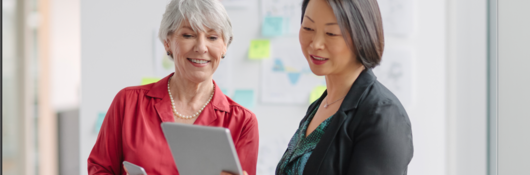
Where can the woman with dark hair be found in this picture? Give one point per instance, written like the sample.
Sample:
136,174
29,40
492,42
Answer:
357,126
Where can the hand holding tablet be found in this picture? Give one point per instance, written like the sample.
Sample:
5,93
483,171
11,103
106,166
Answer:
198,150
133,169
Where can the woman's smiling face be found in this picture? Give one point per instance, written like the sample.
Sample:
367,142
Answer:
322,41
196,54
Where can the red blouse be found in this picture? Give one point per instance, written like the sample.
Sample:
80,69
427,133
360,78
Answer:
131,131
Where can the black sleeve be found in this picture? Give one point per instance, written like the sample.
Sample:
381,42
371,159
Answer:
383,142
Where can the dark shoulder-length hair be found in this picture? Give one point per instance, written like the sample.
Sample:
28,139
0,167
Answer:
360,22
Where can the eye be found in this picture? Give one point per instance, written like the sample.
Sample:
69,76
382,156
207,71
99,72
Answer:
307,29
213,38
331,34
187,36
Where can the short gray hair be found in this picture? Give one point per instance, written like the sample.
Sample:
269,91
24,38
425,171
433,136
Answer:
200,14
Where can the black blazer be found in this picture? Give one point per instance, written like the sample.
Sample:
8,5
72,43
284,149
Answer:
369,135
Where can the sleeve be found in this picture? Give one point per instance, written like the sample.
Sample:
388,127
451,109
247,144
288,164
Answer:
107,155
248,144
383,142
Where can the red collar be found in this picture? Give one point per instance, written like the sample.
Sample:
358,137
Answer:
159,90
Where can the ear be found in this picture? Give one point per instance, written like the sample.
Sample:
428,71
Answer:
166,44
224,49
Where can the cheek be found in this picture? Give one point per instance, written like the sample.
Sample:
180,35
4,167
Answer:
182,48
340,49
216,51
305,41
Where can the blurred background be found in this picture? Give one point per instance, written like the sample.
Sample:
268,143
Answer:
63,61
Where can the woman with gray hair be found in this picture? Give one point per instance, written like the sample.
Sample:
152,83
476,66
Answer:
196,34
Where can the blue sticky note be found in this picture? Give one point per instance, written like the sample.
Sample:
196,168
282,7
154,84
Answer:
244,98
294,77
272,26
278,65
99,121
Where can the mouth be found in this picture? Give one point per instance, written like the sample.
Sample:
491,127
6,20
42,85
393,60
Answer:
319,58
198,61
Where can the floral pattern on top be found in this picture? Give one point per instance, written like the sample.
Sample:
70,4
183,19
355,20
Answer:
300,147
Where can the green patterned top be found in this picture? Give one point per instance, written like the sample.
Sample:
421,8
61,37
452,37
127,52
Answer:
300,147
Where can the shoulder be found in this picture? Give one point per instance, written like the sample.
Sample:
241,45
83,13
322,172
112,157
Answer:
132,93
136,89
240,112
378,95
381,105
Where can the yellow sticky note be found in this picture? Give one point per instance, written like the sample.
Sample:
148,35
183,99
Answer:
149,80
259,49
316,93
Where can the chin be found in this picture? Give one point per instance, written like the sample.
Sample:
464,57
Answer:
318,71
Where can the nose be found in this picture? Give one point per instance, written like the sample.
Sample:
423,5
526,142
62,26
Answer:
318,42
200,46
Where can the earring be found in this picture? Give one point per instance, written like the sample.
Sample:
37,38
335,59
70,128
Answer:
223,57
168,53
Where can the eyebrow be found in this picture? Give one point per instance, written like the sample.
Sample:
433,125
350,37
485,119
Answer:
309,18
331,23
189,27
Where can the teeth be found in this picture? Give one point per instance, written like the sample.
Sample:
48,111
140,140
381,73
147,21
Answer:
318,58
199,61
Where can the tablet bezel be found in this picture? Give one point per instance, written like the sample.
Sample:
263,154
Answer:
201,149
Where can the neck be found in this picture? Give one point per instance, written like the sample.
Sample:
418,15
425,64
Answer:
187,91
339,84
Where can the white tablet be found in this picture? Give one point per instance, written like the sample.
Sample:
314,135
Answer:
133,169
201,150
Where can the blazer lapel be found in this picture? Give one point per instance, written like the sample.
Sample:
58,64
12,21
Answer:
355,95
316,158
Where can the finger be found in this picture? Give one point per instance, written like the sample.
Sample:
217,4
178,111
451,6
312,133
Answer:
245,173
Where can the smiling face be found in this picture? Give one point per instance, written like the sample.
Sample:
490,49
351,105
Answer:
196,54
322,42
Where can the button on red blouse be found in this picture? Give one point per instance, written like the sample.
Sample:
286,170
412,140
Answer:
131,131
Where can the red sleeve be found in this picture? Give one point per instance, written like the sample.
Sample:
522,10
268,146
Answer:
107,156
248,144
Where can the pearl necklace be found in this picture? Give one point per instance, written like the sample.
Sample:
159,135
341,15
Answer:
184,116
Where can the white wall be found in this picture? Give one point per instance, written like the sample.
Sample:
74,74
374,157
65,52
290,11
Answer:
513,87
466,103
428,116
65,38
116,53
